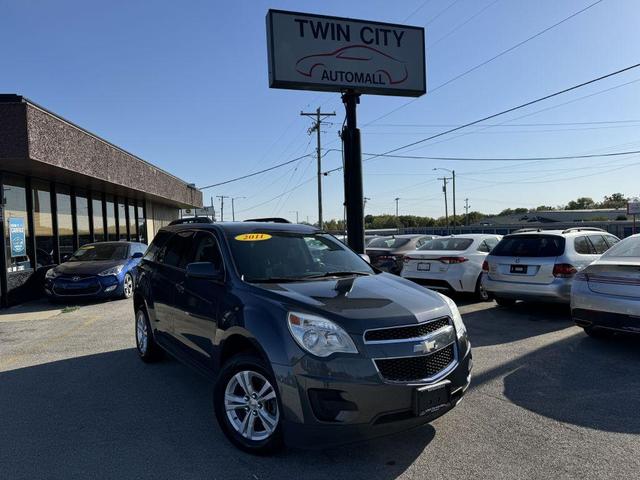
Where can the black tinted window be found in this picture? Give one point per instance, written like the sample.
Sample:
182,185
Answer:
599,243
530,246
611,240
483,247
388,242
583,246
206,250
157,243
175,253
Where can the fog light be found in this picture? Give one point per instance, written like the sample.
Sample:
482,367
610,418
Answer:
111,288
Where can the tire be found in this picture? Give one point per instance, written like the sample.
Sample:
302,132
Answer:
146,346
127,286
481,293
505,302
265,417
596,333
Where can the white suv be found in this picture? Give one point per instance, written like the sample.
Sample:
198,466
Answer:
539,265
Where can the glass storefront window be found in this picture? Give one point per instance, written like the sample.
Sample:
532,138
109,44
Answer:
98,225
82,217
65,223
122,220
112,234
142,224
15,224
42,222
132,219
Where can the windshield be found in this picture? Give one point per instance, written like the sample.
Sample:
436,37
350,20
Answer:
458,244
100,251
530,246
629,247
281,256
388,242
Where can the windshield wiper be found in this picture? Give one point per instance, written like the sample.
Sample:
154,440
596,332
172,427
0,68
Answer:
345,273
272,280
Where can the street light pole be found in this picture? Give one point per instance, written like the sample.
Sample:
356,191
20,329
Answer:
233,209
397,199
446,207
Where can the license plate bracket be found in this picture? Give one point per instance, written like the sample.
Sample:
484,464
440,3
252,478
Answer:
424,266
431,398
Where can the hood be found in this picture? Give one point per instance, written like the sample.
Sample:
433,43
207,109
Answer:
87,268
362,302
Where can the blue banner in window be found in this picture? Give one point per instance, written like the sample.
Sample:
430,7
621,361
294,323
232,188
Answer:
17,237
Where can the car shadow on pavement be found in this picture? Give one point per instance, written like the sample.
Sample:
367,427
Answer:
579,380
111,416
499,325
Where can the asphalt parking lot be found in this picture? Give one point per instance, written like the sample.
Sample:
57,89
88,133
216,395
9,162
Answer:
546,401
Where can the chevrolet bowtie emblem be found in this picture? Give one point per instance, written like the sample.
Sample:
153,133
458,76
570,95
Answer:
427,346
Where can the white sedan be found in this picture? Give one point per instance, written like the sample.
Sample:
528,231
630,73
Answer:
605,296
451,263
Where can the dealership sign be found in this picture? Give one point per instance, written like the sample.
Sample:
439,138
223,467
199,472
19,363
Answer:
17,237
317,52
633,207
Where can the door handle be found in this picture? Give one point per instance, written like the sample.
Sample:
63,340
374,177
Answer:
180,287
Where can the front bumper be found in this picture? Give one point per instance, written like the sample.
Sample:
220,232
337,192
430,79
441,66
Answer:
558,291
94,287
369,406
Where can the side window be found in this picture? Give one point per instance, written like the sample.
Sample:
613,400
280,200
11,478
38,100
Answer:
611,240
421,242
583,246
206,250
483,247
491,242
599,243
156,245
176,250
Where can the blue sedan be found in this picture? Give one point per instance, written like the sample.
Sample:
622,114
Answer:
96,270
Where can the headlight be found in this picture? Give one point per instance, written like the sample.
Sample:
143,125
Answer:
112,271
51,273
461,330
319,336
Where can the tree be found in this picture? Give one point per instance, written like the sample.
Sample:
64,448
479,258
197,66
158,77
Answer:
615,200
542,208
513,211
582,203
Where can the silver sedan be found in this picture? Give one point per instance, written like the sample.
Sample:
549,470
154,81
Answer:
605,296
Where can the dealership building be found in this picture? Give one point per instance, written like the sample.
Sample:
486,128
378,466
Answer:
62,187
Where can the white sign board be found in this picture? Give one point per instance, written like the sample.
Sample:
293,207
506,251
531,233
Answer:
317,52
633,207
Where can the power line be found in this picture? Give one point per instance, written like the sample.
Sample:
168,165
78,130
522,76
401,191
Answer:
455,29
544,124
482,64
255,173
503,112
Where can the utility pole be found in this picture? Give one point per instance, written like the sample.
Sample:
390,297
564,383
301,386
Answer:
466,211
233,207
446,208
296,212
397,199
319,117
222,197
453,174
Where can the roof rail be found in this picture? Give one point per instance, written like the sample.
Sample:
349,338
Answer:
524,230
268,219
182,221
583,229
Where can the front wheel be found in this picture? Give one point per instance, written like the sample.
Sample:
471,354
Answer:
247,405
598,333
146,345
127,286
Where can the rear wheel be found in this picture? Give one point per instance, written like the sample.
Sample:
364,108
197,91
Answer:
505,302
247,405
148,349
481,292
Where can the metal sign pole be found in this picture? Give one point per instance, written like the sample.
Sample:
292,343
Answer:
353,193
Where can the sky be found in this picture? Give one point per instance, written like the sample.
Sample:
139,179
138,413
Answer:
184,85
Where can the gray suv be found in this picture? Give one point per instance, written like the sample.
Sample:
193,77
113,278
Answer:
539,265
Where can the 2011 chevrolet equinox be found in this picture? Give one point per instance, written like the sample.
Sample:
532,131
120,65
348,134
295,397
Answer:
308,345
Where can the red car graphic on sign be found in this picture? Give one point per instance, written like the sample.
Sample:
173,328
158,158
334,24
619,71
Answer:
373,61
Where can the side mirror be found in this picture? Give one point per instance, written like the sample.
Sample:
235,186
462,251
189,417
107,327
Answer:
137,255
205,271
365,257
65,258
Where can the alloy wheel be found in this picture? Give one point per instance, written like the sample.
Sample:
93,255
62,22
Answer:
128,286
251,405
142,334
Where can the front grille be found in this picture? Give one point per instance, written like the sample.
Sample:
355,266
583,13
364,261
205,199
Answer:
403,333
408,369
